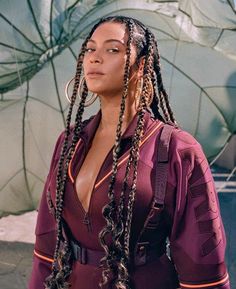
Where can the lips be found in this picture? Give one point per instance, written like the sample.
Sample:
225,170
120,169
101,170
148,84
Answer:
95,72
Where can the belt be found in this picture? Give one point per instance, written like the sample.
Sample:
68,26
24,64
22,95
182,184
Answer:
85,255
145,253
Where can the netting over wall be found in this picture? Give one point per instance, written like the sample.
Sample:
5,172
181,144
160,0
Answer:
39,43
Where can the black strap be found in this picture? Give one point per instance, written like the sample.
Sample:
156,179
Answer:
162,164
142,251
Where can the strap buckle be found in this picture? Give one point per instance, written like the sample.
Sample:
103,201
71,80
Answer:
157,206
140,257
153,218
79,252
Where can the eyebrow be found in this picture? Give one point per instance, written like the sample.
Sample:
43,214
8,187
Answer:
108,40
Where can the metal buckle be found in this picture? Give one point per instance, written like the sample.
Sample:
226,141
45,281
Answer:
153,219
79,253
157,206
141,254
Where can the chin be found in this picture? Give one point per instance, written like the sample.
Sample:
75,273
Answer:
96,91
95,88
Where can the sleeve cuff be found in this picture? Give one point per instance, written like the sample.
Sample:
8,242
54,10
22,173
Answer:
223,283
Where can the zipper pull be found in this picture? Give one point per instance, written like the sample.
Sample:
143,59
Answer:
86,221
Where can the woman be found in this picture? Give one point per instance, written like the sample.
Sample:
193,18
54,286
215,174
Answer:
104,175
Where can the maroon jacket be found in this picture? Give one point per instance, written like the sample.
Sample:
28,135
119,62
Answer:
191,219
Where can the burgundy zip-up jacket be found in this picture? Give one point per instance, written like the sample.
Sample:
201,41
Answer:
191,219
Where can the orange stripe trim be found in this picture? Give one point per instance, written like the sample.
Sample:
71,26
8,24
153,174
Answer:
206,284
107,175
43,257
126,157
69,167
121,161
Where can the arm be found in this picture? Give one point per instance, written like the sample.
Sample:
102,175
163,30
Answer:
197,239
45,231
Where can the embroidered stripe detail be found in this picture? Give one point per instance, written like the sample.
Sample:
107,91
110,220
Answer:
206,284
69,167
126,157
43,257
120,162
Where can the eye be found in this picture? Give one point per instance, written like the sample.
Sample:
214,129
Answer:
89,49
113,50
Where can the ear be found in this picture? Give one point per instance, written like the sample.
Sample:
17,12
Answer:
141,67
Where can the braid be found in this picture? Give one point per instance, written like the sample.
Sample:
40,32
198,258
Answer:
123,275
156,101
164,101
109,209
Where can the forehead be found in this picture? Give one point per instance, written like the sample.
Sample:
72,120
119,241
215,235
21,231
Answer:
110,30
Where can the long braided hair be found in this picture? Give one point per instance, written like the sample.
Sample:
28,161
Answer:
118,217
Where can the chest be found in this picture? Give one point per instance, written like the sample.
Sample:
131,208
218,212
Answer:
93,162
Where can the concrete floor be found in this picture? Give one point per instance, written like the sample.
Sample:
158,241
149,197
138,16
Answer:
16,248
15,264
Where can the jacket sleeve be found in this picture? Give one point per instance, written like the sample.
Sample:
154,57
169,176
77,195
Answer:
197,238
45,230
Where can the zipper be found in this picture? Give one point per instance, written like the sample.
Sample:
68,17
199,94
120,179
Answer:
99,172
86,219
87,214
87,222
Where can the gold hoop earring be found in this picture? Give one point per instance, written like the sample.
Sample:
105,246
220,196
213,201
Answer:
148,101
150,93
138,92
81,84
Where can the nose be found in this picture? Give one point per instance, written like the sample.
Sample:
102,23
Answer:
95,57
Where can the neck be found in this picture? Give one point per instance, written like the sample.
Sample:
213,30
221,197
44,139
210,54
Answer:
110,110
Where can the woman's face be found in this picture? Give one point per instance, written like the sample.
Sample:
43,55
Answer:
104,59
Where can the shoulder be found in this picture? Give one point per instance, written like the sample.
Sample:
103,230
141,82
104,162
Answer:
186,156
184,147
181,139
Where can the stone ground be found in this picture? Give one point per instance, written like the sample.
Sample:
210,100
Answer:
16,245
15,264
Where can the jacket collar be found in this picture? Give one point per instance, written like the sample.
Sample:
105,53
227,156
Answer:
89,129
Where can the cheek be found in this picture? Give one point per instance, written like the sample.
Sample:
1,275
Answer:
116,69
85,64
